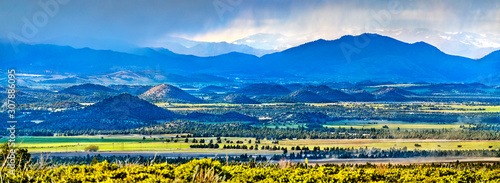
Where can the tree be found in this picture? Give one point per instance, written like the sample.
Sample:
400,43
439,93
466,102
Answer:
94,161
22,155
92,148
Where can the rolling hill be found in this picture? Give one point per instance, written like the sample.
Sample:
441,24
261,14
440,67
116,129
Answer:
167,93
88,89
391,94
238,99
131,89
302,96
328,93
126,106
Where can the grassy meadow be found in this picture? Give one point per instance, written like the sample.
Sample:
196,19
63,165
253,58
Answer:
137,144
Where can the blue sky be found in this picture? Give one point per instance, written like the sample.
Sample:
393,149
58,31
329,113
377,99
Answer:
143,22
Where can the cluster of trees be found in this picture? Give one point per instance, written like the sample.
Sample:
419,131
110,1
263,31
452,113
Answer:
68,121
209,145
143,160
245,130
481,132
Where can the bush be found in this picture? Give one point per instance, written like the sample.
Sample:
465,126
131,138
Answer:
207,170
92,148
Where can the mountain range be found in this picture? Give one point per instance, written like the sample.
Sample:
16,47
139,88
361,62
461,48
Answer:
349,58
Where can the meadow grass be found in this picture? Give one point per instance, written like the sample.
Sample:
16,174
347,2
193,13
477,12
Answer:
127,144
466,109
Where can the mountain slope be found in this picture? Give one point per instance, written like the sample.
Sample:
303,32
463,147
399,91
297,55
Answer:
120,112
238,99
88,89
126,106
64,59
168,93
302,96
328,93
380,58
206,49
392,94
131,89
349,58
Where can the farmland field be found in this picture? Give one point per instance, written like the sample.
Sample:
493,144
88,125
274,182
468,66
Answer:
120,144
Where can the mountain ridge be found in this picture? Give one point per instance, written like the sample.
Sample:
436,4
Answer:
343,59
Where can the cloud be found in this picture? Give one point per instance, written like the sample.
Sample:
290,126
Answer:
331,19
142,22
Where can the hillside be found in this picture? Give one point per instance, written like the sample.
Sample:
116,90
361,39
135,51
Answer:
66,105
360,94
131,89
382,59
399,91
126,106
213,89
88,89
167,93
328,93
294,86
391,94
238,99
302,96
120,112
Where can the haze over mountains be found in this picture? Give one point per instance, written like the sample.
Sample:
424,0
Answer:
345,59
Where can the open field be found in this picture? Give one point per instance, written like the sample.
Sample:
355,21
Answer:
395,143
464,108
122,144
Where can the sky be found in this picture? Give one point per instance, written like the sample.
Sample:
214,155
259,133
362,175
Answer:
147,22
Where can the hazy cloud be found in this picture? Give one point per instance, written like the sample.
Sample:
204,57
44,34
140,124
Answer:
141,22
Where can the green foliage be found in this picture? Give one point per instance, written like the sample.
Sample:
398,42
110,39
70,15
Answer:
94,161
22,157
207,170
92,148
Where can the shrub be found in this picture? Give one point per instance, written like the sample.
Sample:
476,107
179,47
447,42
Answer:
92,148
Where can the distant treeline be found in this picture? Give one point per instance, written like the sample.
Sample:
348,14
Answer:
246,130
142,160
340,152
